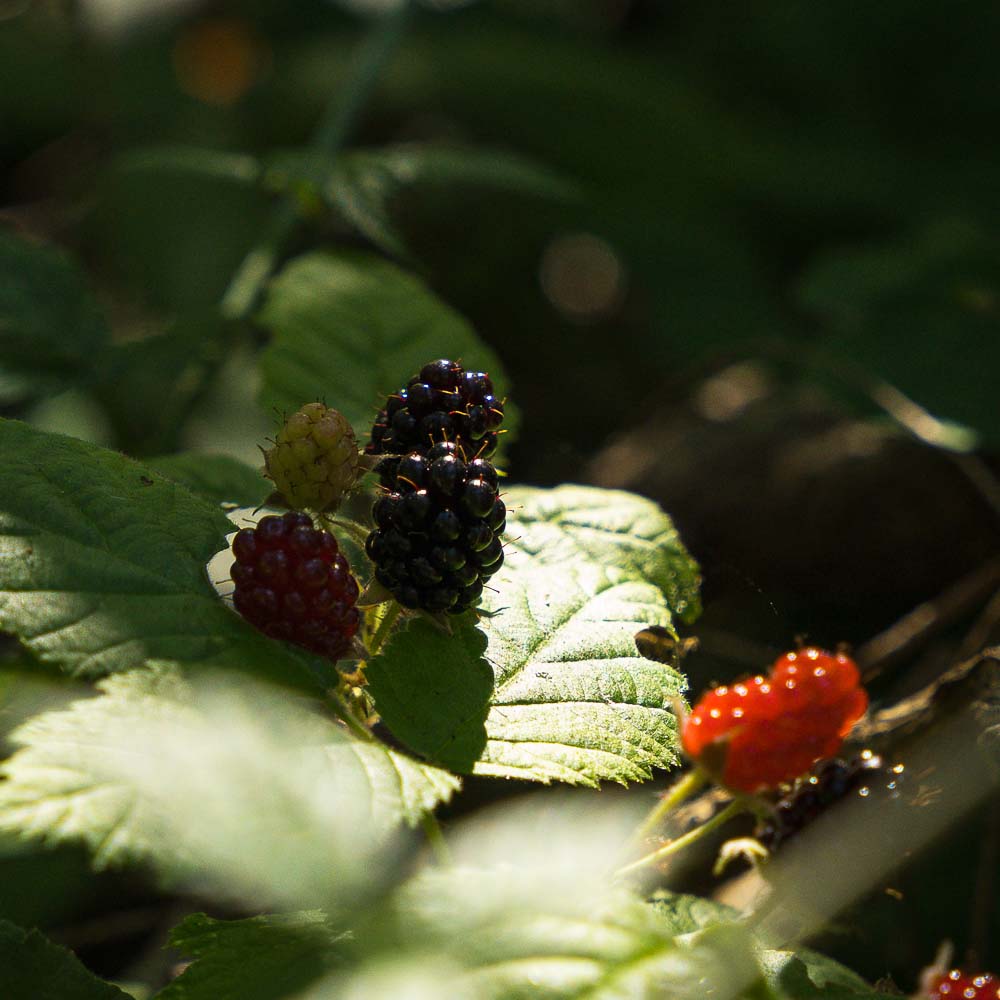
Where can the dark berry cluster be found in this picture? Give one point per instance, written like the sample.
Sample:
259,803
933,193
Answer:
443,403
828,782
438,527
293,584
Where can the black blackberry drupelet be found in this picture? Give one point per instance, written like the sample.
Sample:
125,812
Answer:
438,528
443,403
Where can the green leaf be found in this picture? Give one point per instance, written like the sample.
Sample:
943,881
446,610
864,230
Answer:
570,523
102,565
218,164
227,782
51,329
151,387
571,700
914,308
260,958
351,328
33,968
362,184
218,478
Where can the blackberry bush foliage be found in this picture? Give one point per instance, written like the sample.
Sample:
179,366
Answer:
220,747
438,530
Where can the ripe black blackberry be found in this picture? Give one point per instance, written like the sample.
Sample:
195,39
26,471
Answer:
438,528
443,403
292,583
829,781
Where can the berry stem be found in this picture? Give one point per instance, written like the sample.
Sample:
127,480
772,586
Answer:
339,118
346,715
734,808
435,839
384,627
679,792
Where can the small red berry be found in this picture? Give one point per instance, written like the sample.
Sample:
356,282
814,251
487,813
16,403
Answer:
763,731
292,583
958,985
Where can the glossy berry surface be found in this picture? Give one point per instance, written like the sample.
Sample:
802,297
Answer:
293,583
958,985
867,776
438,528
764,731
444,402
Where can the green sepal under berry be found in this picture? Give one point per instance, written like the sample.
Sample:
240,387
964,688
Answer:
315,458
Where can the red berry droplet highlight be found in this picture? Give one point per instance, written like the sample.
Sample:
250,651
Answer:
763,731
958,985
292,583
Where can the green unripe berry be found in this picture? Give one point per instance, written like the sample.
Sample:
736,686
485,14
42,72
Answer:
315,458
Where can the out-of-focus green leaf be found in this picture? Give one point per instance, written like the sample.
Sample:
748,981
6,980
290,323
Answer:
922,312
350,328
200,161
218,478
227,783
52,332
260,958
362,184
571,699
102,565
150,387
33,968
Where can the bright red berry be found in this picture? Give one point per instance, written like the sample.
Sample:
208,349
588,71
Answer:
958,985
292,583
763,731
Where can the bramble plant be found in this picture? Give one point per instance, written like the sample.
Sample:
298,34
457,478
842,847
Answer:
266,686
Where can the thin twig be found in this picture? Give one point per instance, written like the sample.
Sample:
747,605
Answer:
339,119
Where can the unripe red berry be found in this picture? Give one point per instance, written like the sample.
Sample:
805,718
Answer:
763,731
958,985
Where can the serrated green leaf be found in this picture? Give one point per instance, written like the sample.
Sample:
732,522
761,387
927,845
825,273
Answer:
226,782
571,700
611,526
51,329
915,307
218,478
102,565
33,968
362,184
351,328
260,958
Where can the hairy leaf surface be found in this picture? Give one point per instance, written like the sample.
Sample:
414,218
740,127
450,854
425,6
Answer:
571,699
102,564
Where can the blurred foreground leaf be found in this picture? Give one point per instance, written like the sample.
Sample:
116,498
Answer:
224,783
